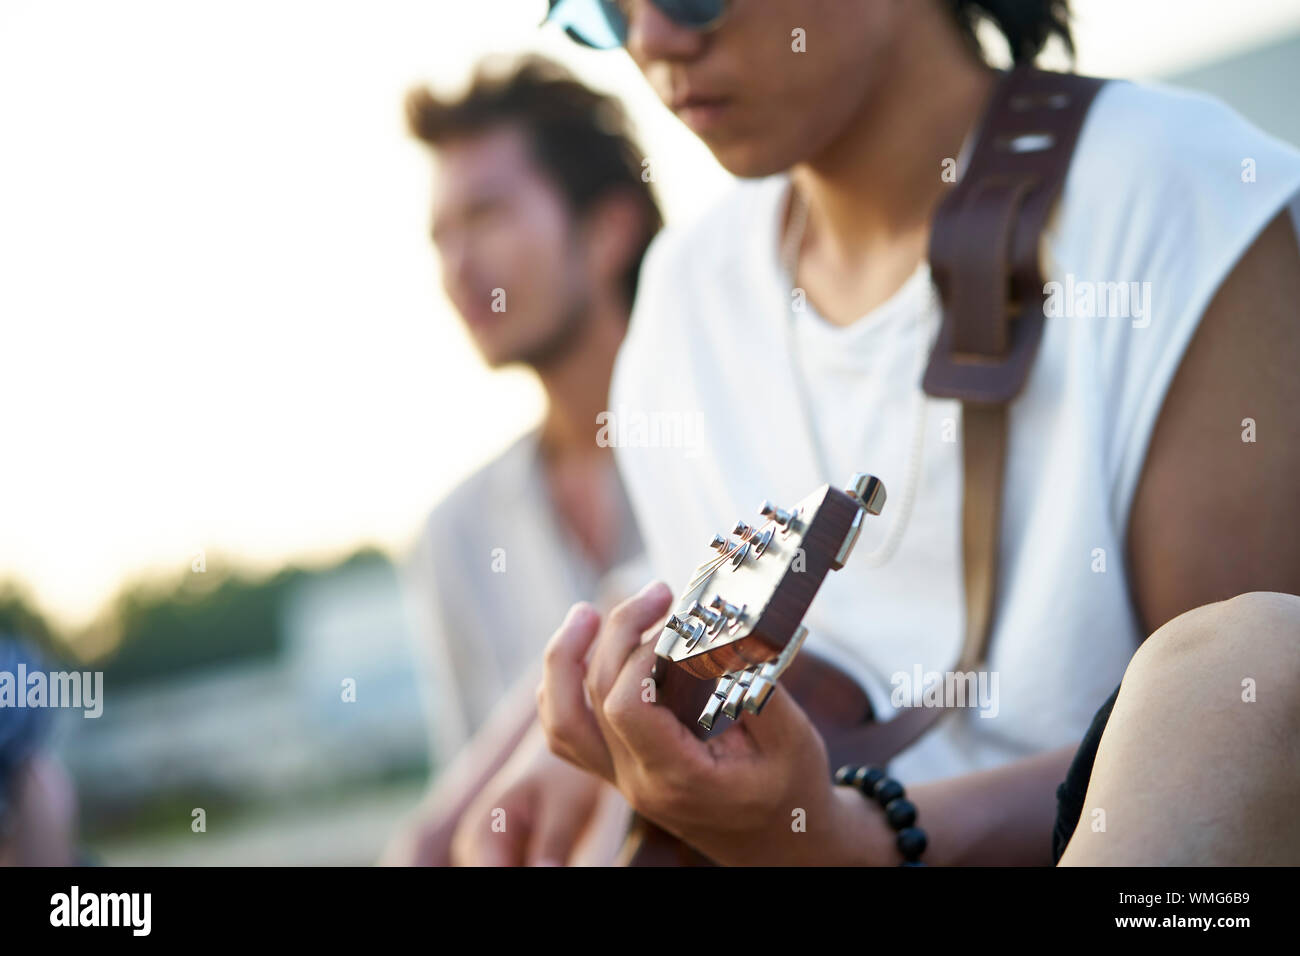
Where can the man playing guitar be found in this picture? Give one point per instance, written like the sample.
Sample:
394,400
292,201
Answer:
1138,499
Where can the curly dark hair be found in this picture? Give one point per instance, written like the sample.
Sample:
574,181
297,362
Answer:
580,138
1027,24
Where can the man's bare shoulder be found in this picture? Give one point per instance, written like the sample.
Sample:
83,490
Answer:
1216,510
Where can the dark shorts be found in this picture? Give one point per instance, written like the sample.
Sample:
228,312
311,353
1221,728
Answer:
1070,794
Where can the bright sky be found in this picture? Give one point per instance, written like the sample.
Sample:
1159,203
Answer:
219,319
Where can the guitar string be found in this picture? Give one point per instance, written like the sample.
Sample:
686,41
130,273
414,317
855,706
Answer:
790,248
711,565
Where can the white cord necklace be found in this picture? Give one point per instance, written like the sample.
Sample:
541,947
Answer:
790,248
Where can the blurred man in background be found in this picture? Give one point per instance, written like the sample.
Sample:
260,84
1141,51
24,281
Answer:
541,216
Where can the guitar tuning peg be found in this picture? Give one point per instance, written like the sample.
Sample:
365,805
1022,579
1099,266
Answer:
751,535
729,611
689,628
760,688
868,490
714,706
719,543
736,696
763,681
712,619
780,516
760,691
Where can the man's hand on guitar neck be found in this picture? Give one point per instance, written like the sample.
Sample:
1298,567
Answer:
759,793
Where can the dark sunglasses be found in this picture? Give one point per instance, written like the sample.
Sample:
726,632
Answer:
602,24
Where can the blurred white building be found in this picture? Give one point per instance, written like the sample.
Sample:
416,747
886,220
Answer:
270,731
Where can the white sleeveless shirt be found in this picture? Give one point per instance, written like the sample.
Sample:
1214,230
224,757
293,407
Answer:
1166,188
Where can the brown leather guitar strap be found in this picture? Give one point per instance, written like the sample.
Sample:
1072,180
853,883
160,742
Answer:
984,261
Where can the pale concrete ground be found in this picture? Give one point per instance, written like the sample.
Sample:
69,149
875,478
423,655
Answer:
346,833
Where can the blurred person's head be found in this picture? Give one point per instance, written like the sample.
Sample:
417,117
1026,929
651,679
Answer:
541,214
729,69
37,804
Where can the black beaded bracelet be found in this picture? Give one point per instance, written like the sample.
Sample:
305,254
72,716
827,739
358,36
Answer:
899,811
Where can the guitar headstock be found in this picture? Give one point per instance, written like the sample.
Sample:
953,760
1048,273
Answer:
739,619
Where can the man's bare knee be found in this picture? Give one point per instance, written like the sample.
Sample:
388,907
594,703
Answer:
1256,634
1199,760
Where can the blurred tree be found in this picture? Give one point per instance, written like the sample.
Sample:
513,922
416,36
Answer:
202,620
20,617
